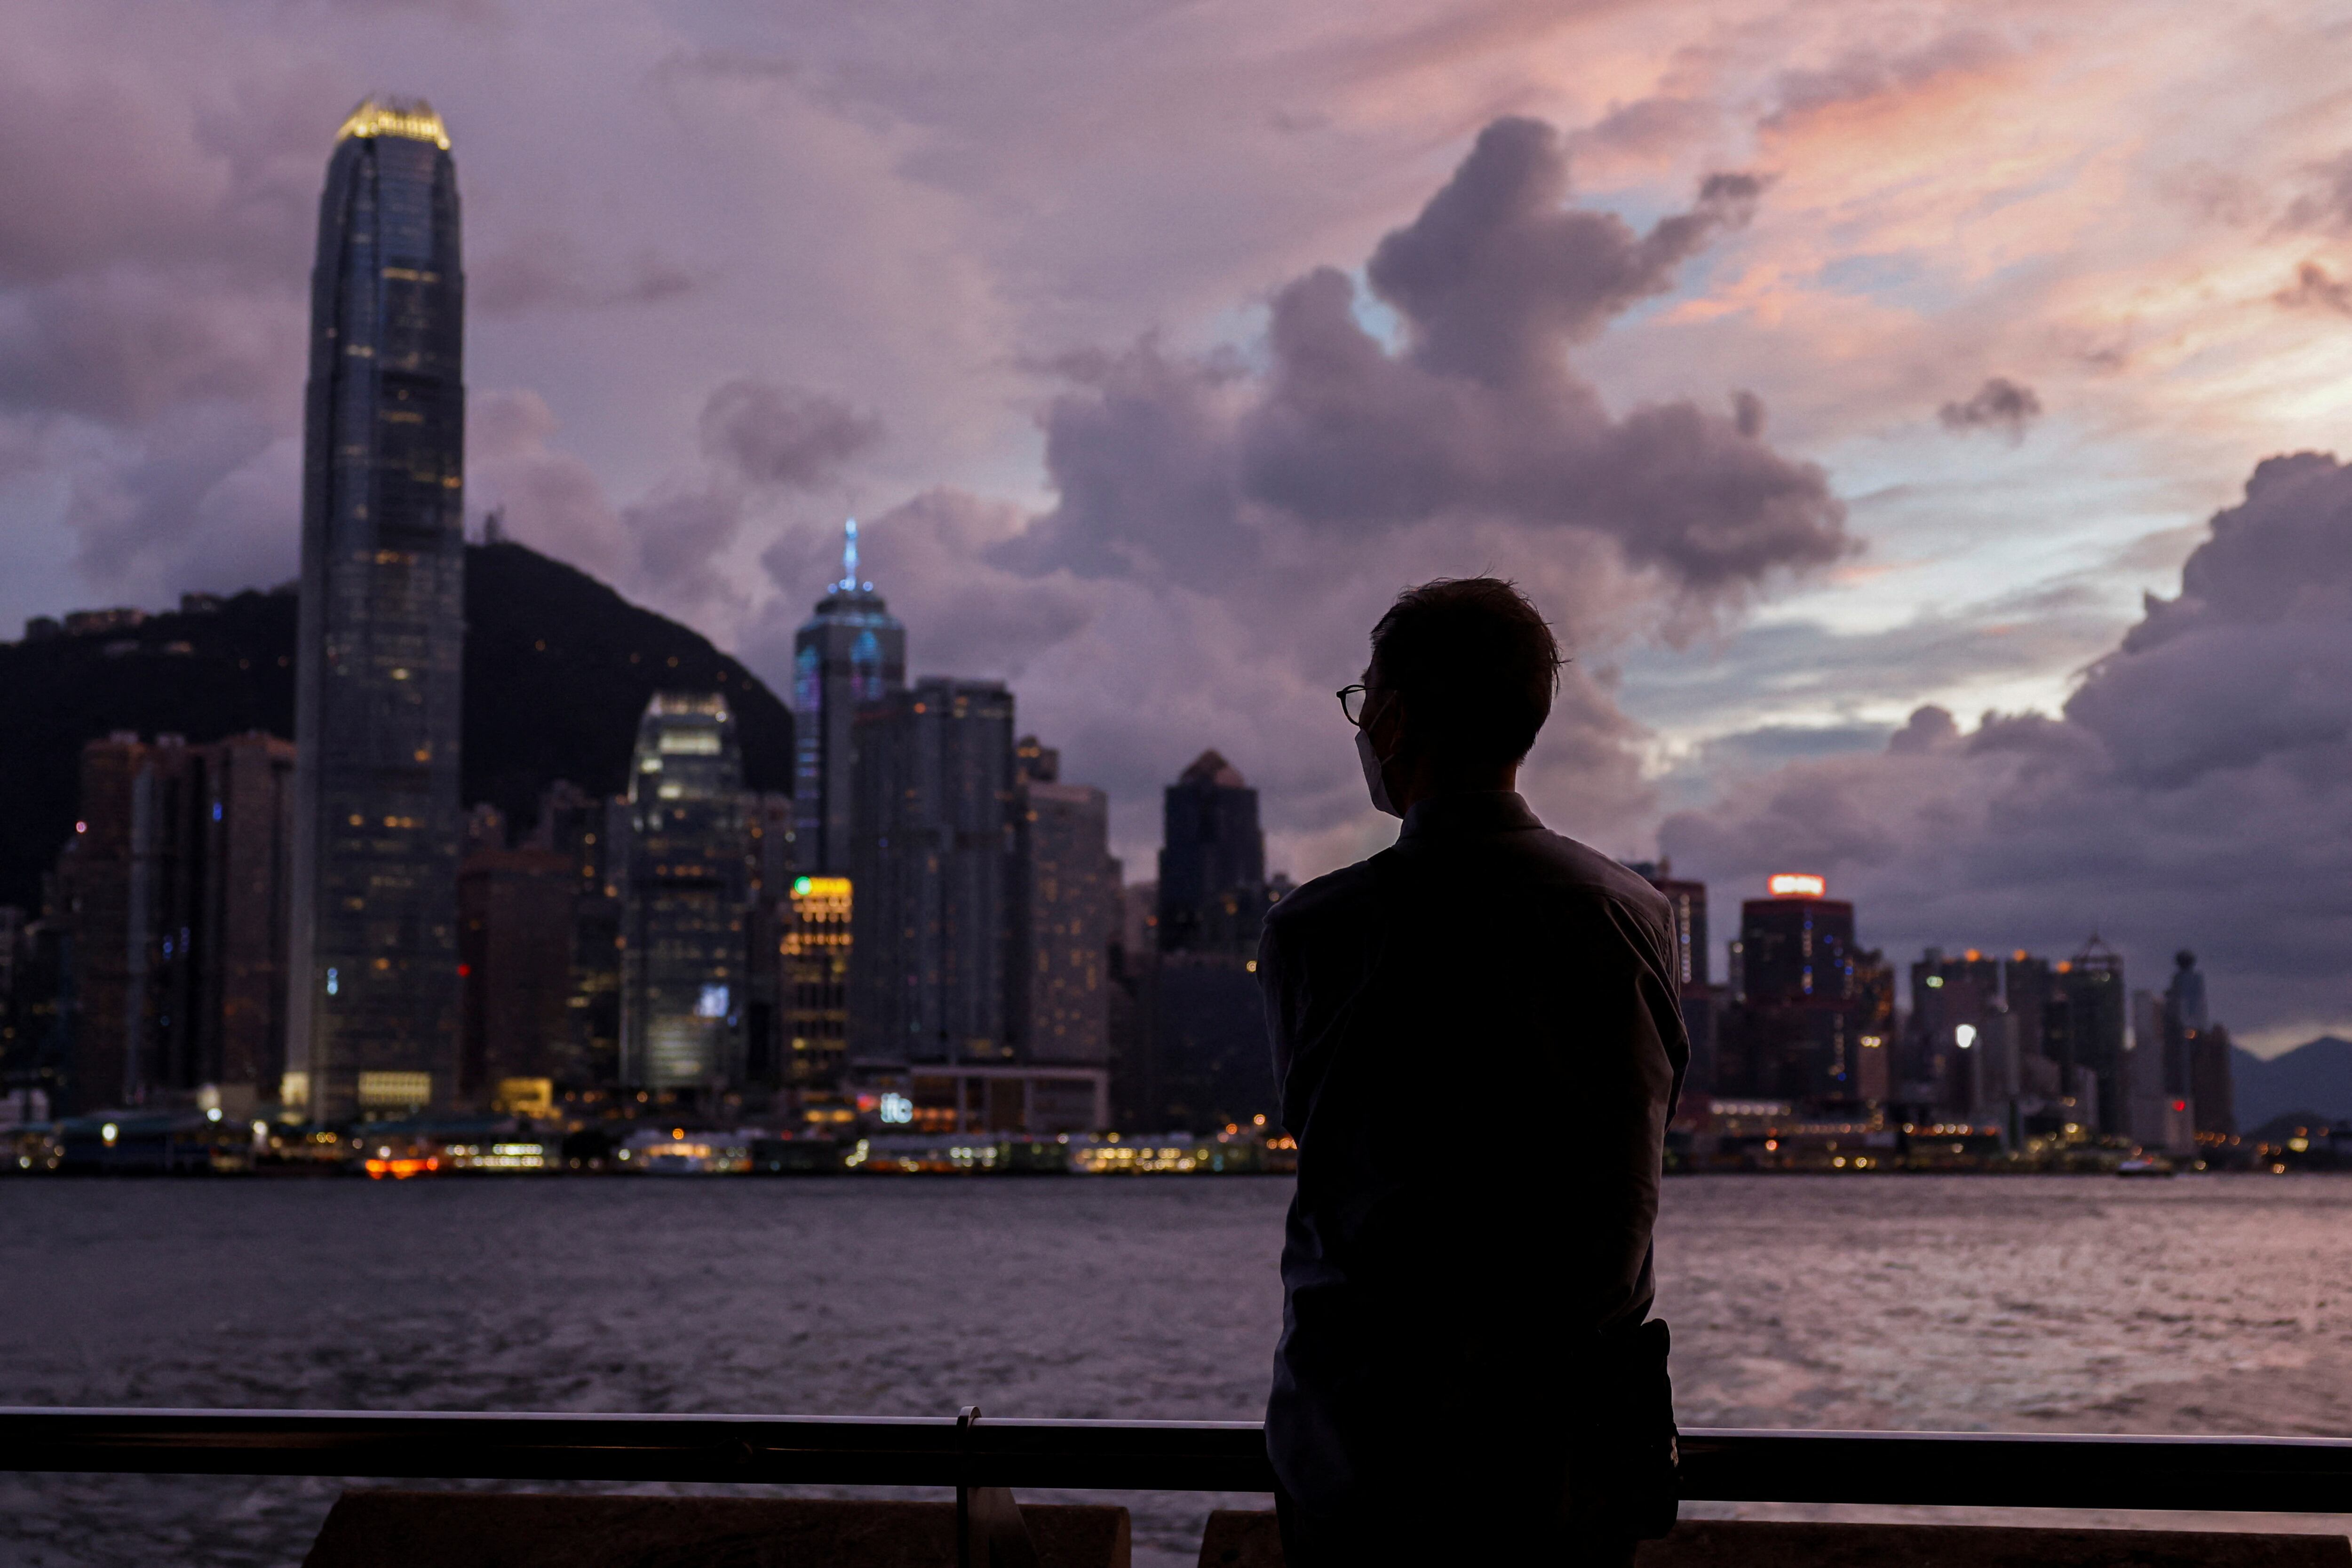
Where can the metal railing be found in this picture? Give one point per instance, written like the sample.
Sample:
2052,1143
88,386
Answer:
2255,1475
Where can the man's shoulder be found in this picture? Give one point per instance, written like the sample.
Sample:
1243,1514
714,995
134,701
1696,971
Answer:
1340,895
1571,865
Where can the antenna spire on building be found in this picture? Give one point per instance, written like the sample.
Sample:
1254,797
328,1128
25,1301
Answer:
849,557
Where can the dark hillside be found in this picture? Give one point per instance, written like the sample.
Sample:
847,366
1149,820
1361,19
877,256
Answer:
558,669
2315,1079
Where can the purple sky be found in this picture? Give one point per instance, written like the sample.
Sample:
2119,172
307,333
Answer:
1809,364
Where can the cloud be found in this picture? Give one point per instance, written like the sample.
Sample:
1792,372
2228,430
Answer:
2197,789
123,346
547,498
2314,289
1192,465
776,435
550,268
1858,75
1999,404
2326,203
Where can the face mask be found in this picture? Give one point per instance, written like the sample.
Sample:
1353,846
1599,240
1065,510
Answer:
1377,785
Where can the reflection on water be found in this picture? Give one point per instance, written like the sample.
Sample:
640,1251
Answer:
2086,1304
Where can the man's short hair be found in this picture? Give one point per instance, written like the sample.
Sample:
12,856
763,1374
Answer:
1477,663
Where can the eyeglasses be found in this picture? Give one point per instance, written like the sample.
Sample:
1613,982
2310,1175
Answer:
1351,703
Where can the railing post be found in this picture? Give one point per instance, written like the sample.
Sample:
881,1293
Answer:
990,1531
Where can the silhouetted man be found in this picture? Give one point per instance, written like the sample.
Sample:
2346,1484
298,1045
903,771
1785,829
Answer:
1478,1042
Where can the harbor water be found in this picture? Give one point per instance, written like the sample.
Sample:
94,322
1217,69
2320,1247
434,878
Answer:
2202,1304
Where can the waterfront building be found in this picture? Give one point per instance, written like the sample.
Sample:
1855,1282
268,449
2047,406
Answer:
592,834
515,911
1038,1101
815,982
768,820
373,992
1797,1032
2212,1087
2083,1030
2176,1064
2025,988
172,900
683,958
1066,913
1797,944
932,869
1703,1004
1687,900
851,652
35,1008
1957,1018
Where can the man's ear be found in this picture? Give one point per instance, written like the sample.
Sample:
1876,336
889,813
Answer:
1400,710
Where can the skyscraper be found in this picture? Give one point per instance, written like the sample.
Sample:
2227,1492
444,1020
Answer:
2083,1030
515,938
1702,1003
374,991
1963,1046
1211,861
932,876
850,652
1066,888
683,964
594,834
1797,1033
173,892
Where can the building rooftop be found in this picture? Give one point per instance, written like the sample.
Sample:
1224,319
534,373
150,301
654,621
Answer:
1209,768
413,118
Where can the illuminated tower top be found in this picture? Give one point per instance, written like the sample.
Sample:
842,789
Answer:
851,652
413,118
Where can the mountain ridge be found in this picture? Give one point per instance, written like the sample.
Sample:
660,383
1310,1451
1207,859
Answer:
558,669
2314,1078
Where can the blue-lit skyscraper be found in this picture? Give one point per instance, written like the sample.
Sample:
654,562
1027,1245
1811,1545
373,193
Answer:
850,652
373,969
683,951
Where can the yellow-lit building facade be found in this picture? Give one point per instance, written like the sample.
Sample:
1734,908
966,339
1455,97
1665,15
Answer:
816,982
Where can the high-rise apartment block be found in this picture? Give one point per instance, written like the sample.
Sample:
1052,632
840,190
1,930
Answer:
515,911
173,899
1068,913
375,1002
851,652
684,956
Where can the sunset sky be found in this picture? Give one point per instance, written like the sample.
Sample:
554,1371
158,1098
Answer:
1810,364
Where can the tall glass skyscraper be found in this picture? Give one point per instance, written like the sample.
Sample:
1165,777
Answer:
683,952
373,993
850,652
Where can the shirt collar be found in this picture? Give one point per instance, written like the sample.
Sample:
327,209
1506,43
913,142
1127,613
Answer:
1465,811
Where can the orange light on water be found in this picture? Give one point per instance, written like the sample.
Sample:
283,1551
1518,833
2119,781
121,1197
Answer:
400,1169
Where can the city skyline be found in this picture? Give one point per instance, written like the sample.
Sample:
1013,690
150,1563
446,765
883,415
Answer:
646,421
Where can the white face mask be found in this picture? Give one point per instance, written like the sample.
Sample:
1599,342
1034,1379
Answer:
1374,780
